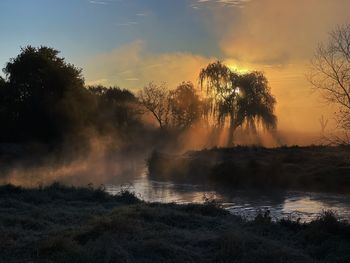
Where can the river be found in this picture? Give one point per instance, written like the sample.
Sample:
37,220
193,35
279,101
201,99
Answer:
305,206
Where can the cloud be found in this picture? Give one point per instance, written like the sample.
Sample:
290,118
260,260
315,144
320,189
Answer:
132,66
129,23
222,3
142,14
98,2
277,37
103,2
275,32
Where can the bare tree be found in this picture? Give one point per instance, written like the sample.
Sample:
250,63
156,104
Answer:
155,99
323,123
330,73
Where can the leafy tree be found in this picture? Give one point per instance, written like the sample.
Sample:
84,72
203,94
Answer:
116,108
48,98
238,98
185,105
255,102
220,84
6,117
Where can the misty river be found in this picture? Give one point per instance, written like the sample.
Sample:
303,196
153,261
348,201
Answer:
247,203
305,206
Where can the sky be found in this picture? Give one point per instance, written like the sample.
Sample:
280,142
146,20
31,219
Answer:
132,42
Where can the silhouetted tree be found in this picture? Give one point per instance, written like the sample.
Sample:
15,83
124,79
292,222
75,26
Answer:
238,98
47,96
220,84
255,102
6,116
185,105
116,108
330,73
155,99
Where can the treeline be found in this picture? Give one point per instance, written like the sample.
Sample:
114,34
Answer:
44,99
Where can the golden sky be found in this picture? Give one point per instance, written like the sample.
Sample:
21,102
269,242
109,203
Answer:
277,37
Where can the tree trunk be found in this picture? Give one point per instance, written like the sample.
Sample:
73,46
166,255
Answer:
231,131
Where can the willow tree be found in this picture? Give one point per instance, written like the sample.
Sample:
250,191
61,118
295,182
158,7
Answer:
238,98
219,83
255,102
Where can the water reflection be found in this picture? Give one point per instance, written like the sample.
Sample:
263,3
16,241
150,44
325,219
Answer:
303,205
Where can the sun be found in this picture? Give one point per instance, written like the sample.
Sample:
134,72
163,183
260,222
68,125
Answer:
237,67
240,70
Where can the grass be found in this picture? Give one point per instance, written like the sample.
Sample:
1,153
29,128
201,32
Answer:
314,168
68,224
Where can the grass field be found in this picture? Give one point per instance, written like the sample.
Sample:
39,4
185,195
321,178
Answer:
67,224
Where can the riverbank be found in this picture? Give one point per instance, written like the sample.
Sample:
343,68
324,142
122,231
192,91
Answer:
67,224
312,168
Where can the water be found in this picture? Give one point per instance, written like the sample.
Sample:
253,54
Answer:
305,206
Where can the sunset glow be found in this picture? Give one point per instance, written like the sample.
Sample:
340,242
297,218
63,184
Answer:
175,131
130,43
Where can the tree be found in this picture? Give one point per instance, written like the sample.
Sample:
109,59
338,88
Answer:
47,96
116,108
330,73
6,116
238,98
155,99
220,85
185,105
255,102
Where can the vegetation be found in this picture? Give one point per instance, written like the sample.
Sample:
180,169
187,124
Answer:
43,97
304,168
177,109
45,105
44,100
330,76
67,224
240,99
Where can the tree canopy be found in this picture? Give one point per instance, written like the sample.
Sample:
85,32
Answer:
239,99
44,99
44,96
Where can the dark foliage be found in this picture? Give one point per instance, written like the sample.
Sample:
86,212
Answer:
117,109
43,99
302,168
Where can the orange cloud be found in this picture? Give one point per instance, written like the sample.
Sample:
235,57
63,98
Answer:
277,37
132,67
278,31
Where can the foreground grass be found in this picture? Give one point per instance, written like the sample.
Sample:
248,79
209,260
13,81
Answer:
65,224
315,168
